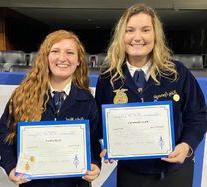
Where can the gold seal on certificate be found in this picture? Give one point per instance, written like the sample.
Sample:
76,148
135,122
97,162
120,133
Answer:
67,141
32,158
121,96
138,130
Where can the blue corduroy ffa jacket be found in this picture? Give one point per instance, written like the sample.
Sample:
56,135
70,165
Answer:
79,104
190,114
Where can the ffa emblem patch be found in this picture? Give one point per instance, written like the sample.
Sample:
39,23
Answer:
121,96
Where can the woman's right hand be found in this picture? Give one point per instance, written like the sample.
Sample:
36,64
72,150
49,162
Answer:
19,179
102,155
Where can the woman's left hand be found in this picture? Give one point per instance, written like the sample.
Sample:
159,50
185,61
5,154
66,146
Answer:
179,154
92,174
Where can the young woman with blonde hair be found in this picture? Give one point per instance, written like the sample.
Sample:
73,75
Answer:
60,66
141,69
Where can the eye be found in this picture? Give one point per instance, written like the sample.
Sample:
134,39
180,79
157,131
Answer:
70,52
128,30
54,51
146,30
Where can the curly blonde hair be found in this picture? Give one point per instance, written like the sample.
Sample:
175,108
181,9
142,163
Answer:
161,55
28,101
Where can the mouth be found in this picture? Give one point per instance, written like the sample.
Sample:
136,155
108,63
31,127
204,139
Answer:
62,65
137,45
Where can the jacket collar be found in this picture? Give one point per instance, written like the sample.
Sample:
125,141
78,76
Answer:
76,94
130,83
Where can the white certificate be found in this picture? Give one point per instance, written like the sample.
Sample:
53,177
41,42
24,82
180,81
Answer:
53,149
138,130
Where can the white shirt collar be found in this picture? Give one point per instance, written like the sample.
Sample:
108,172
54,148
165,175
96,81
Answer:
66,89
145,69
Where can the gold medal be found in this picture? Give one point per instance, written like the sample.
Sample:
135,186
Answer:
176,97
32,158
121,96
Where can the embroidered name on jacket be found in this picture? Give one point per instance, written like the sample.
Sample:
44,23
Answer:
73,118
166,94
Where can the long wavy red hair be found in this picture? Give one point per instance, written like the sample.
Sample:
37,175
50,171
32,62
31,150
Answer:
28,101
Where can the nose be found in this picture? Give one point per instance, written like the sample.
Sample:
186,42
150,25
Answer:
62,56
137,36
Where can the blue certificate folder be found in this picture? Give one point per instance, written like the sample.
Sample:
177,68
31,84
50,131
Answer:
53,149
138,130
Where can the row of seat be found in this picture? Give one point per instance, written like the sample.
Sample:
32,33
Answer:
11,61
20,61
191,61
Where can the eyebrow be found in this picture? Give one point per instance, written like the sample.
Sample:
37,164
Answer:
69,49
147,26
129,26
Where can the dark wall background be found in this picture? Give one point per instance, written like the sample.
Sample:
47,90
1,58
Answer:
26,34
193,41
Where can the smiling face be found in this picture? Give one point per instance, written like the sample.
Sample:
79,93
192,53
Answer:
63,59
139,38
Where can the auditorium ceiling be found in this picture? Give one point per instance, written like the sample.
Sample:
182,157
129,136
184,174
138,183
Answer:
102,14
